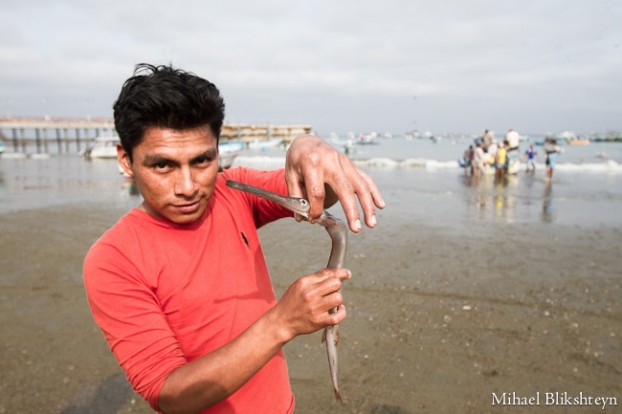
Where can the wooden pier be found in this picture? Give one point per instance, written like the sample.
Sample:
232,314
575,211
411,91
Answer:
65,135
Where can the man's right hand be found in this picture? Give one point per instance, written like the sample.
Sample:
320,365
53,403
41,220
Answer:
303,308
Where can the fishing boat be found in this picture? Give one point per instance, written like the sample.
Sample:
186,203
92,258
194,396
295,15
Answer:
570,138
227,153
367,139
226,160
345,145
264,145
230,146
105,147
578,141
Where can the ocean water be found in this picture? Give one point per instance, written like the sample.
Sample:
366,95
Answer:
420,180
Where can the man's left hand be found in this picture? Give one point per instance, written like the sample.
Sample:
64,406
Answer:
318,172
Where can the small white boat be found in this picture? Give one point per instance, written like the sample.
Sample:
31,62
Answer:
227,152
346,145
367,139
265,144
105,147
225,160
225,147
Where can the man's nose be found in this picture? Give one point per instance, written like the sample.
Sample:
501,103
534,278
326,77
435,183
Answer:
185,185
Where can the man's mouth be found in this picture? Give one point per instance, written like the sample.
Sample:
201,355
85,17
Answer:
188,208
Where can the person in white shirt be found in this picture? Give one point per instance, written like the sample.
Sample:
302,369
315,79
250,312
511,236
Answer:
512,137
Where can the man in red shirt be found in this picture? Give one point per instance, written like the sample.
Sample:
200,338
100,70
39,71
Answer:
179,285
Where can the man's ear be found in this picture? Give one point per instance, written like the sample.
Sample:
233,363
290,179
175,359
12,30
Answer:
124,161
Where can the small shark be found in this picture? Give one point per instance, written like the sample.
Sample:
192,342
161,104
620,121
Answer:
338,235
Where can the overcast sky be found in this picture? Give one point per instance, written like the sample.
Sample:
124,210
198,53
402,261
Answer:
340,65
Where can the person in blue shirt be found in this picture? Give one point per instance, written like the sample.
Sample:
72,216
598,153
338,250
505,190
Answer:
531,154
552,151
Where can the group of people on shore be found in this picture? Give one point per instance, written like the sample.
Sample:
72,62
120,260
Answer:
487,154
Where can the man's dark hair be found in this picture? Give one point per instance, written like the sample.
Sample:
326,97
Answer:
165,97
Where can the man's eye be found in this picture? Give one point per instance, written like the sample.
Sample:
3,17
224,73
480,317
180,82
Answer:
160,165
204,160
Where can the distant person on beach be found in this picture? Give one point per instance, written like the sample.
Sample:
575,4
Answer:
511,142
500,165
179,285
512,138
467,160
531,155
552,150
492,152
487,139
478,160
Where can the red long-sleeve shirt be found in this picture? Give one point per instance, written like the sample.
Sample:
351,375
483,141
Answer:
166,294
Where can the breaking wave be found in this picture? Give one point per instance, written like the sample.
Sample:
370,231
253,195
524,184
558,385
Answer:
267,161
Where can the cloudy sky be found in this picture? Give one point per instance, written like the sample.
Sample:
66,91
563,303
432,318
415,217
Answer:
340,65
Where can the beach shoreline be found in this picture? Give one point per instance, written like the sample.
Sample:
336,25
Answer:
436,322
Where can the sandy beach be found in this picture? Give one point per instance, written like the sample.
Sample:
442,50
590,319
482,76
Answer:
438,321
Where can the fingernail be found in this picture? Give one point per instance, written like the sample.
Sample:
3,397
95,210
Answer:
373,220
382,203
357,224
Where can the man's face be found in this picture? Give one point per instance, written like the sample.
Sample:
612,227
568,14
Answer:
175,171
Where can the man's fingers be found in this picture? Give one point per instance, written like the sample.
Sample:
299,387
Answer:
308,183
350,208
325,274
294,189
293,184
337,317
369,198
312,165
373,188
352,188
316,193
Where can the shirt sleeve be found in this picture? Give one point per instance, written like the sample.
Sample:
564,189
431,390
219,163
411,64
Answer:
128,312
264,211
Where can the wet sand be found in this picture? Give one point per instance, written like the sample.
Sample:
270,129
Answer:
438,319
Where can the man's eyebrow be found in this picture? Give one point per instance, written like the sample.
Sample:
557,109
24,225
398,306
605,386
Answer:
155,159
209,154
